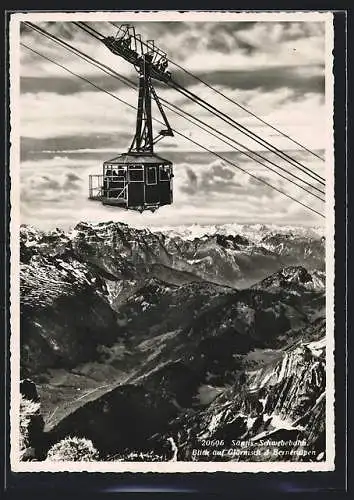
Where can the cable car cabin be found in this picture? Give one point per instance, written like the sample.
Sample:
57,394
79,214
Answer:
137,181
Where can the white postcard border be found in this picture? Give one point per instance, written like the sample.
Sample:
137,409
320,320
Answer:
164,467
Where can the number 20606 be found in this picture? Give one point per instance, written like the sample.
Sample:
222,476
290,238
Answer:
212,442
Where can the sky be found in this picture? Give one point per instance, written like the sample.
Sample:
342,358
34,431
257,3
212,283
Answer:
68,128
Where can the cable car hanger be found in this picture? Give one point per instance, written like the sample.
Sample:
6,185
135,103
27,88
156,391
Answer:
139,179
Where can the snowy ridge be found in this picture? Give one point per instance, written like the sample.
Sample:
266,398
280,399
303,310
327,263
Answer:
255,232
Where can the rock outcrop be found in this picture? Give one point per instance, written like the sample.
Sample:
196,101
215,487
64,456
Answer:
32,437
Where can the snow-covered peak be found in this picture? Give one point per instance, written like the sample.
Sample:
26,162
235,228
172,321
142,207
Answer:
254,232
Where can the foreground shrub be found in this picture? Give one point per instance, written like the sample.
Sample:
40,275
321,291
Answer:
73,449
29,410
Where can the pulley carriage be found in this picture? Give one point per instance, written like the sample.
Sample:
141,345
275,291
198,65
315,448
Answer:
129,45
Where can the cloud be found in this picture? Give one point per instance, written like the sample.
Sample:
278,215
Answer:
241,39
298,78
224,182
68,128
71,182
281,78
192,185
54,193
57,180
55,122
70,84
46,115
94,143
223,45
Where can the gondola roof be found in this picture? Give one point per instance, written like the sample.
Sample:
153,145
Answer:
139,158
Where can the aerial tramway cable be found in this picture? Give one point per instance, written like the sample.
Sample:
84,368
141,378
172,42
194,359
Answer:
225,117
130,83
187,93
249,111
177,132
236,124
238,105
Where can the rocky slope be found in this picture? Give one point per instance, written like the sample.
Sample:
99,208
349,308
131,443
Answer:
135,336
276,412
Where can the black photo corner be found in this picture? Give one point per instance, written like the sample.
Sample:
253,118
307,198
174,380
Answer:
141,179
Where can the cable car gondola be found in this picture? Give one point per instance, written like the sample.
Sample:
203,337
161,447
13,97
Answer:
139,179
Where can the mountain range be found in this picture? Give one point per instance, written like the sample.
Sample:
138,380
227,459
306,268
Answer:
135,337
